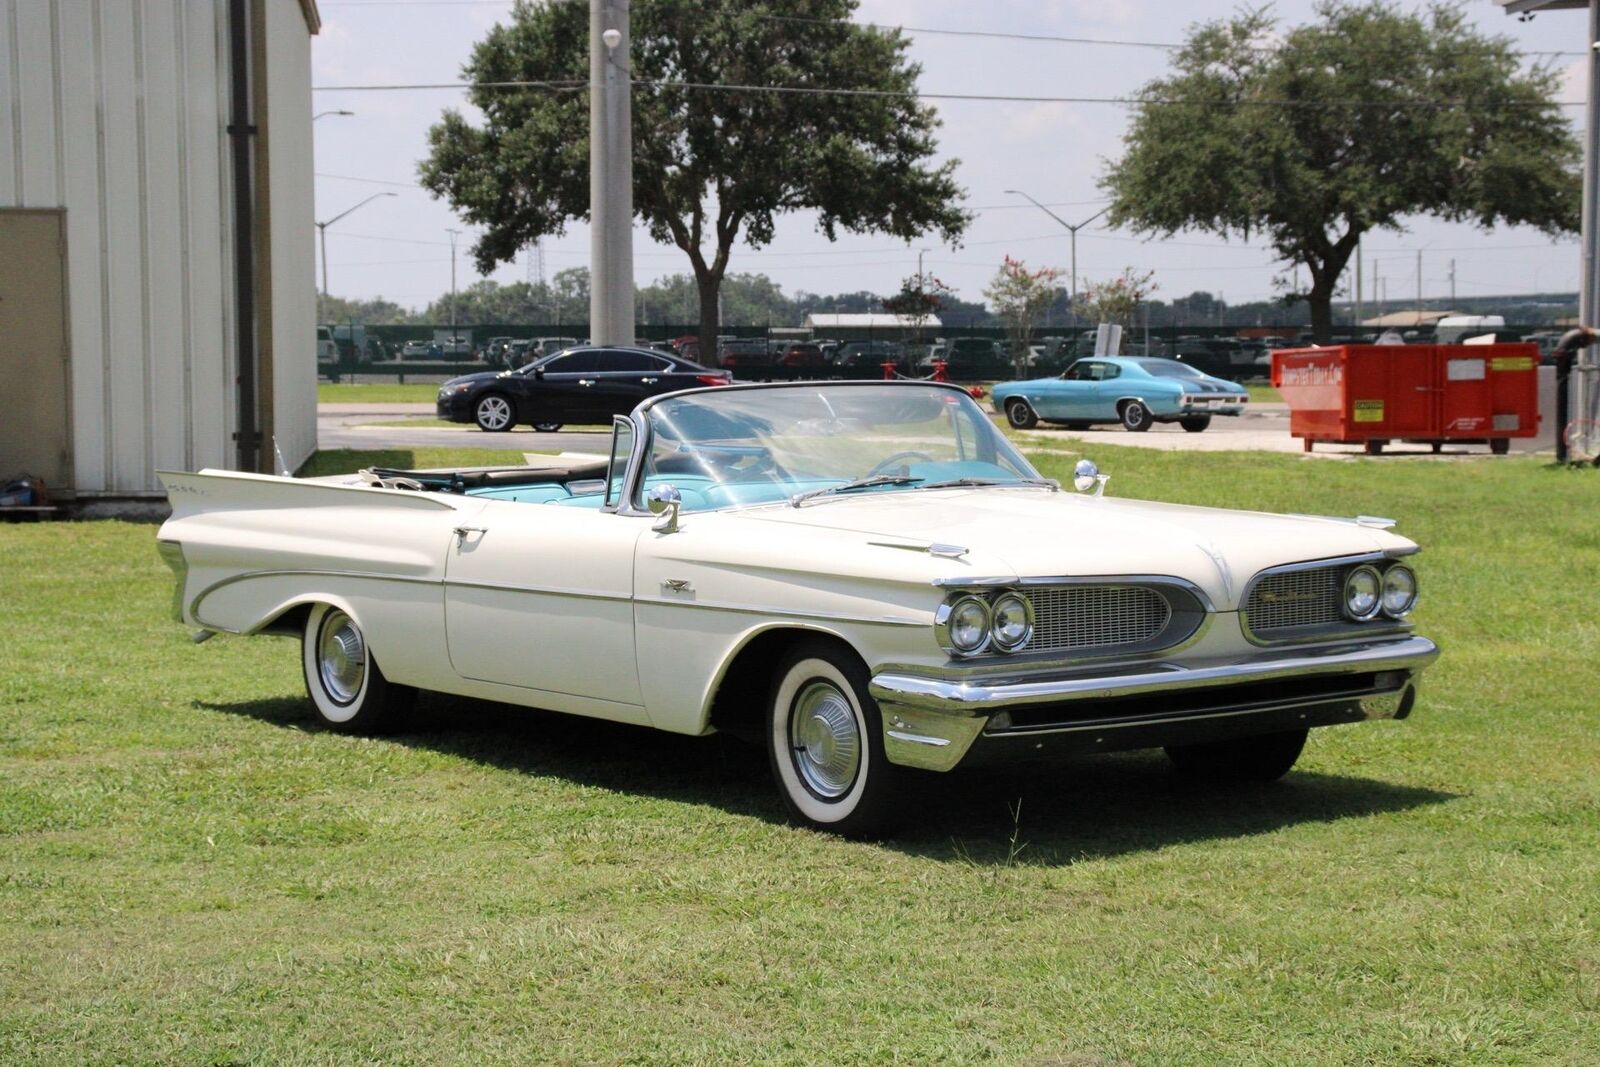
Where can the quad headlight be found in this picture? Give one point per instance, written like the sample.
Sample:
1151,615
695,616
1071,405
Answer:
967,621
970,624
1399,591
1012,622
1363,593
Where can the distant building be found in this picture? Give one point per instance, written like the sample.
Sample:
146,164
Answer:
874,323
157,295
1408,318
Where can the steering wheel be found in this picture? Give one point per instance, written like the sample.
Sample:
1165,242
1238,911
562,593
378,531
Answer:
883,466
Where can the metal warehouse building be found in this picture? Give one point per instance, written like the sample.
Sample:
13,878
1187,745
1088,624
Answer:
157,295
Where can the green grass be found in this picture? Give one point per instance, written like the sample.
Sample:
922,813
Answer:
377,393
193,873
1263,394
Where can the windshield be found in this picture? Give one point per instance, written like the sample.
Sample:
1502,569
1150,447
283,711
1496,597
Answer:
763,445
1166,368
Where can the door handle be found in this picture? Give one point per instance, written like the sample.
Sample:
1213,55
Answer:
461,533
585,381
649,381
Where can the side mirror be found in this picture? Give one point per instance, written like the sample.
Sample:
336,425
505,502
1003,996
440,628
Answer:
538,372
664,501
1087,476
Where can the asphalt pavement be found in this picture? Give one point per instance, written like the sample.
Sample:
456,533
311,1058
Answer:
1263,428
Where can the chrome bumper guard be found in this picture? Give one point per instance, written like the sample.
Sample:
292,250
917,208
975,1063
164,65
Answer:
932,722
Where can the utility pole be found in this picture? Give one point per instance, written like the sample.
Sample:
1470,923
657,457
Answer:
1419,288
1073,230
1358,285
1452,284
610,174
453,235
322,237
1377,271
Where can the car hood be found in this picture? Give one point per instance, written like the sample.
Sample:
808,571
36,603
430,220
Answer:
1015,533
476,378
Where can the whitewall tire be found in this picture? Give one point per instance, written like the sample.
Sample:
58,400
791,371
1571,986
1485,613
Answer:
824,741
346,687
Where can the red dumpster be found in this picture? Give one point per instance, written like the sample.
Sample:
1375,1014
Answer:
1424,394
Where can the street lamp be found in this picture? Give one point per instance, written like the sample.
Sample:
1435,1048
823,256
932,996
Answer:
325,114
1071,229
322,235
453,235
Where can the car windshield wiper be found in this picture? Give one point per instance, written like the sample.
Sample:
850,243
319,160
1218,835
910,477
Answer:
958,483
860,483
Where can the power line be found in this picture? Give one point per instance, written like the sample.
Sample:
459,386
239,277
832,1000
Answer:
813,90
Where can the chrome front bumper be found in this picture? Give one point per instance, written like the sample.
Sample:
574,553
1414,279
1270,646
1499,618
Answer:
932,722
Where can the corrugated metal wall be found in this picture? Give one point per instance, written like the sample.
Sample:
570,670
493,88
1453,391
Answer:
117,111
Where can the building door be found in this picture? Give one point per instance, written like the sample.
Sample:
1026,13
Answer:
36,433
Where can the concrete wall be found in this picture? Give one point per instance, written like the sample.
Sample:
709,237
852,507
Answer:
116,110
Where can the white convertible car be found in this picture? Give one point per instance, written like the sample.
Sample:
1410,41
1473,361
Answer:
866,577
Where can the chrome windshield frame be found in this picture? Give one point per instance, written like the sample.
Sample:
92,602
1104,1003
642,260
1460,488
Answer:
644,430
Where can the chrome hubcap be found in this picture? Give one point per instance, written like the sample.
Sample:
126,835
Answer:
825,742
341,657
494,412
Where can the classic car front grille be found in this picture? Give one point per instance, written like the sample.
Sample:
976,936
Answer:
1096,616
1296,599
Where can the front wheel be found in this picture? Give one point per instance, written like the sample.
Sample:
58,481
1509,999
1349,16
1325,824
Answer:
1195,423
1020,415
825,744
348,691
494,414
1262,758
1135,416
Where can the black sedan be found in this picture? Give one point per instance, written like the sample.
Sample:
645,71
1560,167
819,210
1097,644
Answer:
576,385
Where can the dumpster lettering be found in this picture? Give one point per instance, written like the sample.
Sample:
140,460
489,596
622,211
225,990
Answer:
1313,374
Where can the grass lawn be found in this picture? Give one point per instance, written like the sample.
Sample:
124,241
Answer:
193,873
377,393
1263,394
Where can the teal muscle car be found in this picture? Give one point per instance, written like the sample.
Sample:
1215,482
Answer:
1133,390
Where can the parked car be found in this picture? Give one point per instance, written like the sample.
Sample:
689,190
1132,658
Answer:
970,358
454,347
1220,357
751,357
517,353
801,359
494,351
422,350
1136,391
866,578
578,385
327,352
544,346
865,359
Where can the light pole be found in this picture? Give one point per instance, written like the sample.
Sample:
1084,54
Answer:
453,235
325,114
610,174
322,235
1070,229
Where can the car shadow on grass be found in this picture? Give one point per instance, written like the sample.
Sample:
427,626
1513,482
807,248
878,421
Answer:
1038,814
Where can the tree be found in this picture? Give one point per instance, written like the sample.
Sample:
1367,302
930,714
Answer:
374,312
1355,121
709,164
1019,296
921,296
1116,301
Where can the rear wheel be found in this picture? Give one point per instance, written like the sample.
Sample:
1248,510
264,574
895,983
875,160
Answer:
1500,445
547,427
1262,758
493,413
825,744
1020,415
1195,423
1135,416
348,691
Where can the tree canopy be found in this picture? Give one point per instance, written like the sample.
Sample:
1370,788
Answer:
1356,121
710,164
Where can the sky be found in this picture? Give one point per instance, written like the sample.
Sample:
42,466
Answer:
398,247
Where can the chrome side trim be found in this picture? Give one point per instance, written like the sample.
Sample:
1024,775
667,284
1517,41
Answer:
975,699
172,554
194,605
742,609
